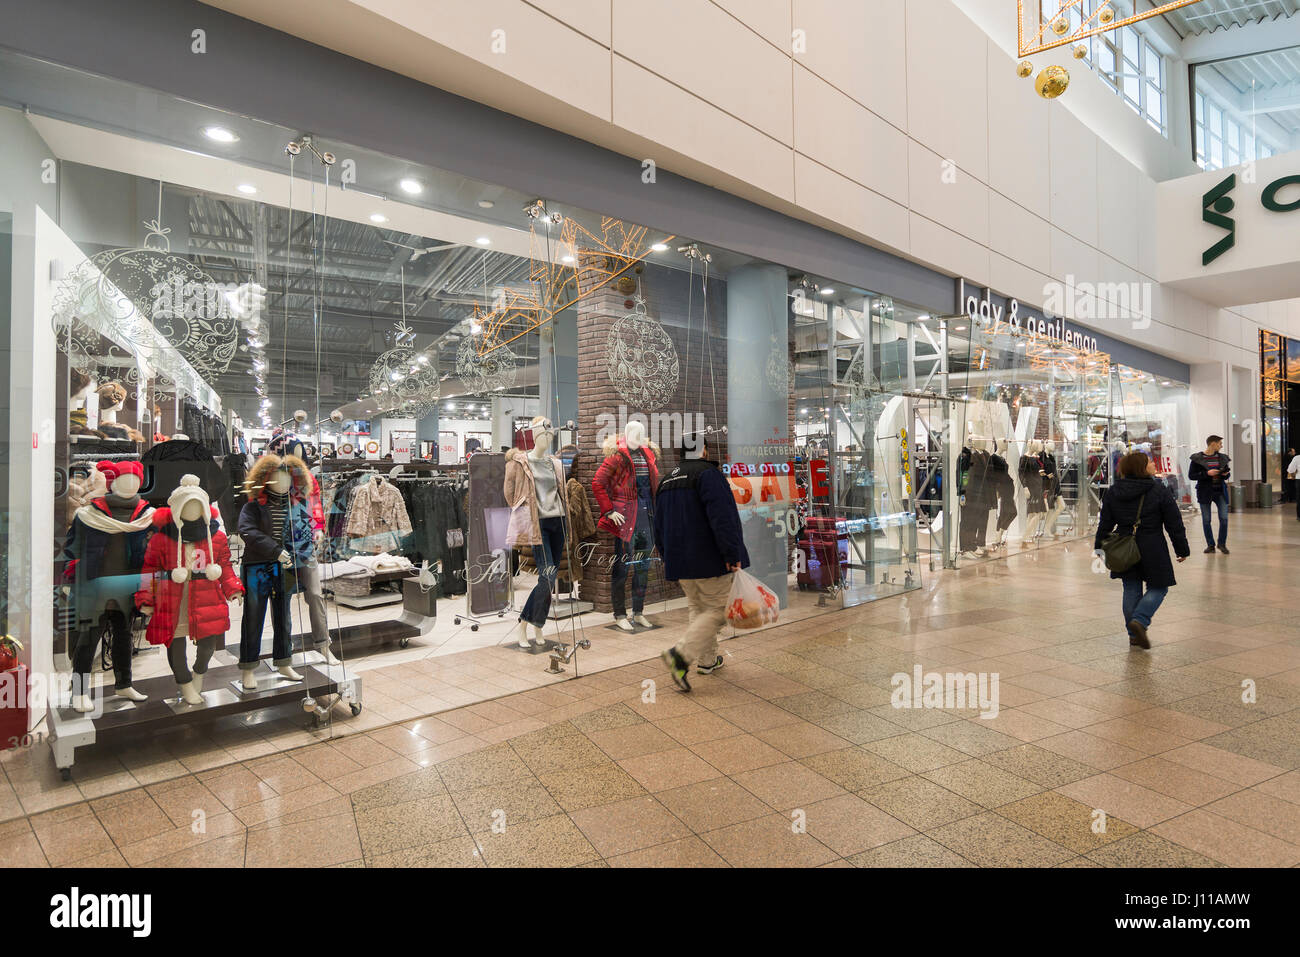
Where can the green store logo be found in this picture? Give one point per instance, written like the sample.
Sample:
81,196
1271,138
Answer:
1217,204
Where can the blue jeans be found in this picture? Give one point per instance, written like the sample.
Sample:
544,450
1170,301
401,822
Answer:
1139,607
1222,503
546,557
264,584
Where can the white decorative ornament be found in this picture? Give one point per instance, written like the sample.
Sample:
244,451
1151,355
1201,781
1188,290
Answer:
400,383
641,360
778,371
494,369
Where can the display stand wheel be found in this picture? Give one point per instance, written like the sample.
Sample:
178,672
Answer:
456,620
356,709
65,773
402,643
473,627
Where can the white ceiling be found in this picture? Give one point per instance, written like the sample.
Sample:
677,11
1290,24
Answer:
1206,16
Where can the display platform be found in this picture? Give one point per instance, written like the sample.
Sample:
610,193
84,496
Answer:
164,711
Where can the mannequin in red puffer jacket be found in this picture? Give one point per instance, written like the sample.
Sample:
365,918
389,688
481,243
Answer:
186,584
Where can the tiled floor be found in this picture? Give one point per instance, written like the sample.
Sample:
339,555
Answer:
793,755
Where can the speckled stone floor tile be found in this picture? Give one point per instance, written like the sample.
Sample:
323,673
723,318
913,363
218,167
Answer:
915,851
590,787
494,765
920,803
548,842
1043,767
789,785
849,825
770,841
392,827
709,805
1146,849
510,803
409,787
990,840
629,825
1067,821
456,852
686,852
915,752
982,783
854,768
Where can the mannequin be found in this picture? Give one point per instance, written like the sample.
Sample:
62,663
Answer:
80,385
978,495
112,397
1032,473
536,479
625,486
1005,488
105,552
187,584
279,541
309,573
1051,488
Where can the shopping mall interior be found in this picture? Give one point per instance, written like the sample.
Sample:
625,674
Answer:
359,359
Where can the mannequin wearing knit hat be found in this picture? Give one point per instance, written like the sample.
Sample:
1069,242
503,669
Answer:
186,583
104,551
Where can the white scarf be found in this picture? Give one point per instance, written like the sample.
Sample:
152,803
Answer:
101,522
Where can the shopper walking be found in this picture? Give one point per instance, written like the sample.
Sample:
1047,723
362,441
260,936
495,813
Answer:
1138,500
1293,478
1288,477
1210,470
698,534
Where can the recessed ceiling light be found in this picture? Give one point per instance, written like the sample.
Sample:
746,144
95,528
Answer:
412,186
219,134
828,291
483,241
378,218
659,247
486,204
248,189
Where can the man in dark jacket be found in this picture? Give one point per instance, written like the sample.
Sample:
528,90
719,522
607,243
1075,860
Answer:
699,536
1210,470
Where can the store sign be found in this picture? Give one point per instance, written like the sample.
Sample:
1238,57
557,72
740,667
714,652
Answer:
980,308
1218,203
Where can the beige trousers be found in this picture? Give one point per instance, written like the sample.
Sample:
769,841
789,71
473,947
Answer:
707,600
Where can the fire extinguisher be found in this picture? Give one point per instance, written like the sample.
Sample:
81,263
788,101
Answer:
13,695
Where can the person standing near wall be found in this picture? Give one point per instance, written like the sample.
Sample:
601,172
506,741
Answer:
1210,470
698,534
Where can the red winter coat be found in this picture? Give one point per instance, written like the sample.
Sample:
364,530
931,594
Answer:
209,611
614,486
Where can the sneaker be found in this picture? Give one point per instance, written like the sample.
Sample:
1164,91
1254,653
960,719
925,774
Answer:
1224,549
1209,551
709,669
677,667
1137,634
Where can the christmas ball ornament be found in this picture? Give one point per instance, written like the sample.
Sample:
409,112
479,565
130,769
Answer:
403,382
1060,26
641,360
1025,69
1080,51
1106,14
491,371
1052,82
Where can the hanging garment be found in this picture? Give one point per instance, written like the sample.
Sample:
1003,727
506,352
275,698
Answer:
377,518
1052,480
1000,474
1033,483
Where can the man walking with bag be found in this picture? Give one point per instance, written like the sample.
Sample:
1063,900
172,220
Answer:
698,534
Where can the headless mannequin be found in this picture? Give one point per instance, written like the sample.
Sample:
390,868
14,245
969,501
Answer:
126,490
192,690
538,453
309,580
977,443
1034,520
1058,502
281,482
635,437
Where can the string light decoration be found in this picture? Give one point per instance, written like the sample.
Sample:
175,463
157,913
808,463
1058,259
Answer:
583,263
1037,33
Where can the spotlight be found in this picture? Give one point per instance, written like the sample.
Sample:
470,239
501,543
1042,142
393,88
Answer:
378,218
219,134
483,241
412,186
248,189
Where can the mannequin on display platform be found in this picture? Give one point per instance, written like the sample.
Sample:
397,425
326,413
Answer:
187,584
625,486
1005,487
105,552
535,481
978,494
309,574
1051,488
1033,472
279,542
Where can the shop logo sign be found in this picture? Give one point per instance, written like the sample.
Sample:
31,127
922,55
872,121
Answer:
1217,204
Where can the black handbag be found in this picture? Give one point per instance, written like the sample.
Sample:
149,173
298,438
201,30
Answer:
1120,549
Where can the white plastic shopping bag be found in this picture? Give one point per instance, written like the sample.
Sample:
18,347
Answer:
520,529
751,603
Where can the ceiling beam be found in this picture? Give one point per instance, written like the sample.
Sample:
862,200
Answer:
1258,37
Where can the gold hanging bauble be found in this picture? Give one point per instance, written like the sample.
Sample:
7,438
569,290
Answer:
1106,14
1052,82
1025,69
1060,26
1080,51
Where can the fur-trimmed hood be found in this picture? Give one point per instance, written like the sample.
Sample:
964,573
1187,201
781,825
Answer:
516,455
616,443
265,467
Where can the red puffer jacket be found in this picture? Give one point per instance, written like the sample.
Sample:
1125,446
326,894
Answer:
208,610
614,485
